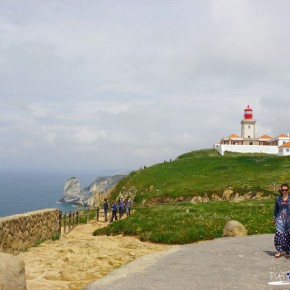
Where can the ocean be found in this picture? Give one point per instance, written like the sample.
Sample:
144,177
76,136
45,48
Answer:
24,191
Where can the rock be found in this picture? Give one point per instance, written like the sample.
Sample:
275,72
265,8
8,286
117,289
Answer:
234,229
249,195
104,183
205,198
227,194
238,198
215,197
256,195
72,190
179,199
12,272
90,195
196,199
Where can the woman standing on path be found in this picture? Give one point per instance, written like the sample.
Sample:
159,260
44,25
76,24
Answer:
282,222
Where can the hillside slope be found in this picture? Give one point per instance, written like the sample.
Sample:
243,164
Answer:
206,172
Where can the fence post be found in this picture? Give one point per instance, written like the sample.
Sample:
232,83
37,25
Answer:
77,217
64,223
59,221
69,221
97,213
73,219
88,216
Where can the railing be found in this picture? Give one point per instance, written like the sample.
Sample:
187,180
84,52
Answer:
69,220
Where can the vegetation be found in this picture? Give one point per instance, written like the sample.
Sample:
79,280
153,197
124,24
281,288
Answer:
38,242
182,223
86,215
205,171
198,173
56,236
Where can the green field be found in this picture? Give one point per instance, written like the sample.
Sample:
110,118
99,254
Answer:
198,173
205,171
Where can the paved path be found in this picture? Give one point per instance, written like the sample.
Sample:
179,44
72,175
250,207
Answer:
225,263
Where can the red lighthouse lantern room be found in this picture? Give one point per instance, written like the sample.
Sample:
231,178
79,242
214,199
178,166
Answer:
248,113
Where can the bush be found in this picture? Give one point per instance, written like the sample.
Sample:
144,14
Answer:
56,236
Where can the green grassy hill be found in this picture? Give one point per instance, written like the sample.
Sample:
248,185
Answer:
197,173
205,171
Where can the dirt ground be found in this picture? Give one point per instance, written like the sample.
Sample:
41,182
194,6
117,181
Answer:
78,258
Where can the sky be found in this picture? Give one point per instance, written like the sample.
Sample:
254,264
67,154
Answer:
110,85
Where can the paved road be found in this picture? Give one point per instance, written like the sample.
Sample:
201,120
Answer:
225,263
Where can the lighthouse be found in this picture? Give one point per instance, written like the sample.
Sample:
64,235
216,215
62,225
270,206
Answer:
248,130
249,143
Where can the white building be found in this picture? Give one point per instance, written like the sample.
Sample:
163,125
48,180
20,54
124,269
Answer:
284,150
249,143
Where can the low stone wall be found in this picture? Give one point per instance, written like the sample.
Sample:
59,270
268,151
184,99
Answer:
22,231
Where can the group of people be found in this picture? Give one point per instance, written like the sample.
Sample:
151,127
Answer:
121,207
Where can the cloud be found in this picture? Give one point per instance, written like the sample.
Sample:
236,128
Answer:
100,84
88,135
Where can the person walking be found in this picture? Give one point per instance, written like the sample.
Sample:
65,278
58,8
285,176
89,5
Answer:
128,206
114,211
120,205
282,222
106,208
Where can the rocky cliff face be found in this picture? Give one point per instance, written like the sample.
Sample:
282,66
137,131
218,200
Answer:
104,183
72,192
90,195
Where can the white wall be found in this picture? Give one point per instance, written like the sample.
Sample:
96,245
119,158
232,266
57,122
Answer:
247,149
282,141
284,151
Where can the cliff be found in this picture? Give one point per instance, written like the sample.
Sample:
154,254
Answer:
90,195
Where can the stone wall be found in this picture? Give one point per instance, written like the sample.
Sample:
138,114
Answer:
22,231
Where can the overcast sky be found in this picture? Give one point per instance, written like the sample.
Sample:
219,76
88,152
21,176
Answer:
97,85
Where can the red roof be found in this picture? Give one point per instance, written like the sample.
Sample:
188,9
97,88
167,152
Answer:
265,137
233,136
285,145
282,136
248,108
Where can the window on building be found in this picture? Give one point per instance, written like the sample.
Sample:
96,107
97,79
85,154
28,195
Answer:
251,143
249,127
249,136
287,150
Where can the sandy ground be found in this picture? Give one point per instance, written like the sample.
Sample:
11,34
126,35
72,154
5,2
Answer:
78,258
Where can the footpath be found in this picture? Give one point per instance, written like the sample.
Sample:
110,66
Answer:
226,263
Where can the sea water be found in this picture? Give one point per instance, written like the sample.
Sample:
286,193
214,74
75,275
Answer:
24,191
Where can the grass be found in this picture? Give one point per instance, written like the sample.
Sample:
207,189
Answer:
183,223
198,173
86,215
56,236
205,171
38,242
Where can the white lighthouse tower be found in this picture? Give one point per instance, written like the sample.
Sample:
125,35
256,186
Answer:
248,129
249,143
